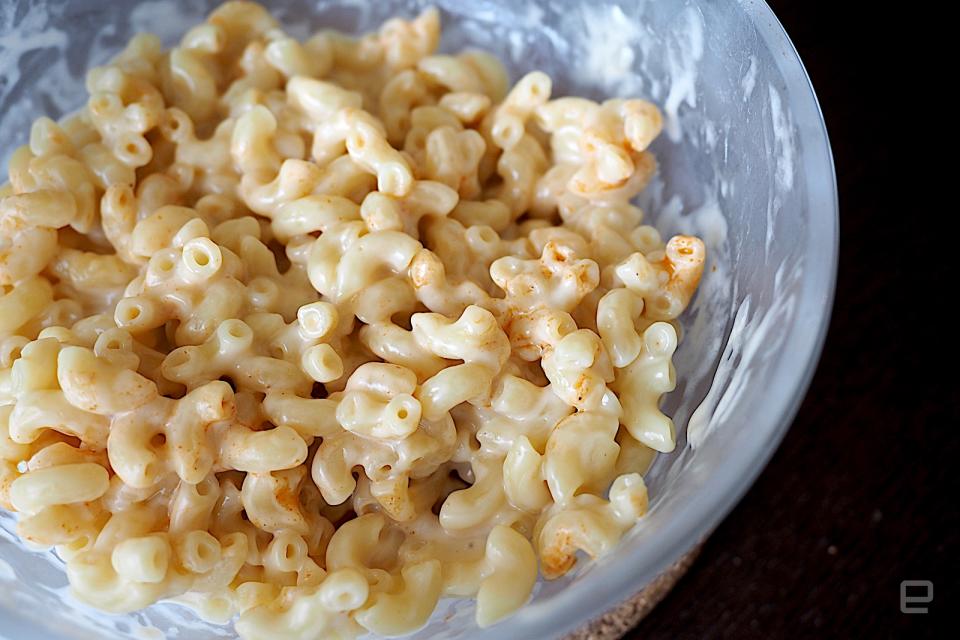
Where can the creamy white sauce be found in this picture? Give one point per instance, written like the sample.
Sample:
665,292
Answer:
752,335
7,574
783,152
613,37
783,132
749,79
682,66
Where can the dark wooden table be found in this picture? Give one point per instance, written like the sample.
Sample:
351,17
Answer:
863,492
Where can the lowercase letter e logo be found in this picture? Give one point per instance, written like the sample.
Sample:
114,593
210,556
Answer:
915,592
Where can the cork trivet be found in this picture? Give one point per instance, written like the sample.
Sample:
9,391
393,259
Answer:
613,624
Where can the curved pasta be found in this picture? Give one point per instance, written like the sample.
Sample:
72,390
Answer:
312,333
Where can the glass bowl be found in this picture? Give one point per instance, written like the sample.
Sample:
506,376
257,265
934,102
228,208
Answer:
744,161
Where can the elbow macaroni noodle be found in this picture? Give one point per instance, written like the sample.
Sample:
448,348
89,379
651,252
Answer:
317,333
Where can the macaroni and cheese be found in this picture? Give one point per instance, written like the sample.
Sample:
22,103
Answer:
317,333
